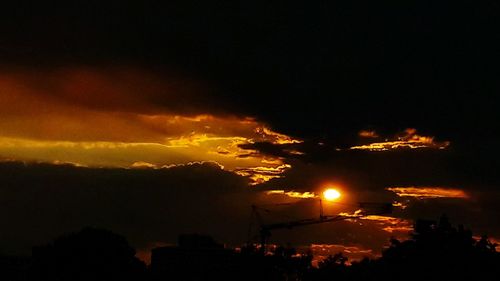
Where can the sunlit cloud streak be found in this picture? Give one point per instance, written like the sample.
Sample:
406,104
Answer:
354,253
260,175
428,192
173,151
398,204
293,194
368,134
95,118
274,137
409,139
391,224
386,223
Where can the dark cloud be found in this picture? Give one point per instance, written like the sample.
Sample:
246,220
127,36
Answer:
450,165
366,175
153,206
41,201
110,88
314,70
433,166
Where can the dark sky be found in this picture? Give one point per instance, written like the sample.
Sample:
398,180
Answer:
313,65
320,72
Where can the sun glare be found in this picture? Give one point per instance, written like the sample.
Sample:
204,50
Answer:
331,194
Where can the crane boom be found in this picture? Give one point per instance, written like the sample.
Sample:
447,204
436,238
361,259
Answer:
365,209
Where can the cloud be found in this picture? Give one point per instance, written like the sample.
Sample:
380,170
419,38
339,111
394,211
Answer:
111,88
428,192
368,134
276,138
119,116
42,201
366,175
259,175
66,117
353,252
386,223
293,194
142,164
405,140
392,224
173,151
96,117
119,154
154,205
114,104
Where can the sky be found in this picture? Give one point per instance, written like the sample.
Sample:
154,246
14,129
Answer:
155,119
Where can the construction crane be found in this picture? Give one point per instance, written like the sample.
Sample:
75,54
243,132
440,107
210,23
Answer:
364,209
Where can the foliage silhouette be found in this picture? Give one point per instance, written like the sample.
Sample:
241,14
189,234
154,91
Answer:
435,251
91,254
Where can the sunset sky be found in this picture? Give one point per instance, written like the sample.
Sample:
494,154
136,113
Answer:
154,119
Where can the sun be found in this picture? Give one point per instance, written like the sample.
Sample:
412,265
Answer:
331,194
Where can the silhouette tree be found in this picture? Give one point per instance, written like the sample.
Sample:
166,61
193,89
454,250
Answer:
332,267
485,245
439,251
91,254
435,251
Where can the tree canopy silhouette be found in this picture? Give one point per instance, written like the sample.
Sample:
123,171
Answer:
91,254
435,251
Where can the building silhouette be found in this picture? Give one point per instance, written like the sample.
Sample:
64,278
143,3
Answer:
196,257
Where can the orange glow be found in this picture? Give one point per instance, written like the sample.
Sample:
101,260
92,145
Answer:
387,223
331,194
260,175
293,194
277,138
493,240
398,204
89,117
353,252
354,214
391,224
175,151
367,134
408,139
428,192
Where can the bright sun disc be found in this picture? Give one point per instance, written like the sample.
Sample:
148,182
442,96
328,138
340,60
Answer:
331,194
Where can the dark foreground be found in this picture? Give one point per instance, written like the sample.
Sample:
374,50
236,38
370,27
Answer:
436,251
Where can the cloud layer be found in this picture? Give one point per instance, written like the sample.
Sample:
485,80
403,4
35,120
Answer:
152,156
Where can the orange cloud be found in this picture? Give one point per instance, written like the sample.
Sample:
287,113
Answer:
406,140
274,137
386,223
367,134
262,174
391,224
354,253
173,151
293,194
399,205
107,118
354,214
428,192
